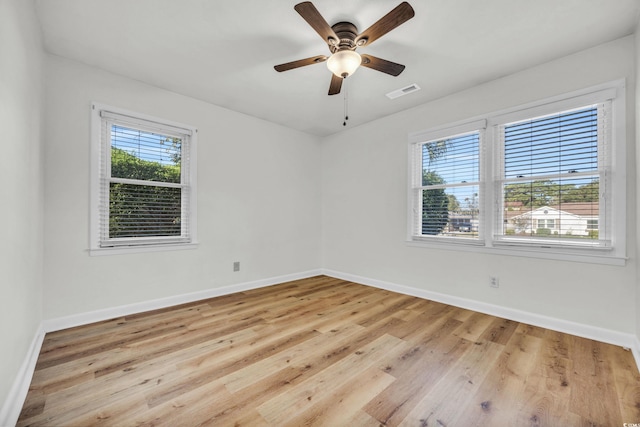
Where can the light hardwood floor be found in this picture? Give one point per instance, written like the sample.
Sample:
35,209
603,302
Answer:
322,351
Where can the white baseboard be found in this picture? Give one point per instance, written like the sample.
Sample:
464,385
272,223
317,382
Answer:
80,319
586,331
11,408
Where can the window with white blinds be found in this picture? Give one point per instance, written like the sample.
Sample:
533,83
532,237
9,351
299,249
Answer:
545,179
552,172
144,183
447,188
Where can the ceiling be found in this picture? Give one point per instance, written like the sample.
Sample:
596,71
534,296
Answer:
224,52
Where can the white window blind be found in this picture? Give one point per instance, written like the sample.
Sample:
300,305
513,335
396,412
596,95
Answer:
145,182
447,190
553,178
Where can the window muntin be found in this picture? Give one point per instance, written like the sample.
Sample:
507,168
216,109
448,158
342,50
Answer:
144,182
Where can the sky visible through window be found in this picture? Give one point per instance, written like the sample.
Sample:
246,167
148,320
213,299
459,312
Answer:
565,143
562,144
147,146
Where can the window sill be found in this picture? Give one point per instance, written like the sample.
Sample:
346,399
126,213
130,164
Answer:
557,254
141,249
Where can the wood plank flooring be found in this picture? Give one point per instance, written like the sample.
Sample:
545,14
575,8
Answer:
326,352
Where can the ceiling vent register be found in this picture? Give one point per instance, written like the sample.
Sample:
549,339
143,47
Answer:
403,91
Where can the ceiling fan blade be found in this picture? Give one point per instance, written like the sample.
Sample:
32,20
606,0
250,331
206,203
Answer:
336,84
300,63
310,14
383,65
398,16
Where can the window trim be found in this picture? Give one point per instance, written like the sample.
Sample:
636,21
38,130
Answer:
616,172
147,123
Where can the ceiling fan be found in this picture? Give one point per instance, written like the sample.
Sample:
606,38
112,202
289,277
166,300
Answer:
343,40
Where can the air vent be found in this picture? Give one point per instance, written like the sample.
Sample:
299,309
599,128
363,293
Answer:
405,90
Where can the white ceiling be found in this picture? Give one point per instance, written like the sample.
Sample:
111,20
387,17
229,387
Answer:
224,52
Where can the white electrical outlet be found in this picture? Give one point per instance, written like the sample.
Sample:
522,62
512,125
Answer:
236,266
494,282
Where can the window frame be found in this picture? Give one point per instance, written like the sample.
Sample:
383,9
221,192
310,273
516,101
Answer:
100,161
491,205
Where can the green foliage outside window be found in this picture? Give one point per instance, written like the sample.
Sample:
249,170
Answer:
143,210
435,205
540,193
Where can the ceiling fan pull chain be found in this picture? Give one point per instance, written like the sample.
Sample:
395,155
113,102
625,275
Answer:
346,102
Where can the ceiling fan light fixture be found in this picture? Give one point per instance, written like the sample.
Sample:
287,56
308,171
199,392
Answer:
344,63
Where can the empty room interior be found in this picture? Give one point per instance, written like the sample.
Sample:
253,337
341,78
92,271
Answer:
214,216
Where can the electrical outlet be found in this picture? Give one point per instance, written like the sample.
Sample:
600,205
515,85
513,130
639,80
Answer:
236,266
494,282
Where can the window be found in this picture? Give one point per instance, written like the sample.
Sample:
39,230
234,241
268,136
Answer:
447,185
552,168
546,223
143,182
545,180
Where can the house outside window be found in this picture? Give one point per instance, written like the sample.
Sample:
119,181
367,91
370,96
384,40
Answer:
550,182
568,219
143,182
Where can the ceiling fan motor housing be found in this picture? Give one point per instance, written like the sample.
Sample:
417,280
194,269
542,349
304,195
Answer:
347,33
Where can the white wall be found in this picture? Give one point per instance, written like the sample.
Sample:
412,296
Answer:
21,189
365,208
258,187
637,183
